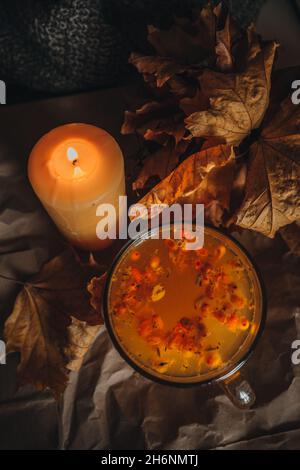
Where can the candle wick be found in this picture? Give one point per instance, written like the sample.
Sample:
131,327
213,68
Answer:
72,156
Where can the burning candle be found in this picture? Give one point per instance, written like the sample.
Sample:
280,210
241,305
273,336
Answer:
73,169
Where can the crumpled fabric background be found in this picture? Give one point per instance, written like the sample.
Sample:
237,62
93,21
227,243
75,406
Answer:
107,405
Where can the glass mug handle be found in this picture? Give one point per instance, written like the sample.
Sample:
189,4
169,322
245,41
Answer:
238,391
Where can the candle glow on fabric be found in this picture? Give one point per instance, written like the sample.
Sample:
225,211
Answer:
73,169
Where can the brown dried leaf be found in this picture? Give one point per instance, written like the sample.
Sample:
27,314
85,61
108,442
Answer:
291,235
187,41
204,177
238,101
80,337
95,288
156,121
162,68
199,102
272,198
159,164
37,327
225,59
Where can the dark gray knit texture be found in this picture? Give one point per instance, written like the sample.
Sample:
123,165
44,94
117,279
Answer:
70,45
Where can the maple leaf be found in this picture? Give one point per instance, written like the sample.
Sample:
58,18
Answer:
204,177
225,59
80,337
291,235
95,288
163,68
187,41
38,325
156,121
198,102
160,163
238,101
272,197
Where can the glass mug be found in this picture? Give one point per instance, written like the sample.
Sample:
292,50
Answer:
129,327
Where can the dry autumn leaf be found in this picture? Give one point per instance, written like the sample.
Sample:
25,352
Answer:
163,68
187,41
38,325
291,235
80,337
225,58
205,177
223,108
159,164
238,101
156,121
95,287
272,198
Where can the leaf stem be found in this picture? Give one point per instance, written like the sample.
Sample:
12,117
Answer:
3,276
29,284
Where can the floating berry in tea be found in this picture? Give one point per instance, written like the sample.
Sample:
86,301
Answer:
182,313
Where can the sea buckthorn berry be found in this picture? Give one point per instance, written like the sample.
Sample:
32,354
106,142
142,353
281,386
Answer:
204,309
198,264
225,279
155,262
136,274
150,276
145,328
157,322
170,244
129,299
213,359
132,287
135,255
203,252
120,309
232,322
186,323
237,301
202,330
220,316
244,323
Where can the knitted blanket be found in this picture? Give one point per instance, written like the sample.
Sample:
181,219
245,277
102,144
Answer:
71,45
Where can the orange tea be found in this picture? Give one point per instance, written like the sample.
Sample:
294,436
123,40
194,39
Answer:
185,315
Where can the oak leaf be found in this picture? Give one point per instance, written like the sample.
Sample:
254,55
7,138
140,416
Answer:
272,198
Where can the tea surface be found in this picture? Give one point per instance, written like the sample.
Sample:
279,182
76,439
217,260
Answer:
182,313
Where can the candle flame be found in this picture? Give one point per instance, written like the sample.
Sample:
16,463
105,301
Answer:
72,155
